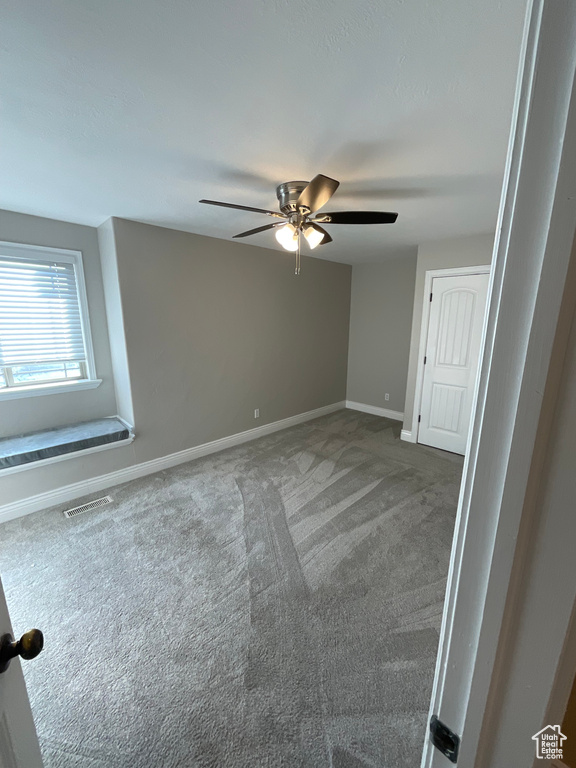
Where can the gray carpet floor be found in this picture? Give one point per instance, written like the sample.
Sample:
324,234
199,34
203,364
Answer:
276,604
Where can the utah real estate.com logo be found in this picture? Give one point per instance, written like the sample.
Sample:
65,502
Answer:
549,743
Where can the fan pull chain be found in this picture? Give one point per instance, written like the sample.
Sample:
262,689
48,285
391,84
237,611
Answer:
297,267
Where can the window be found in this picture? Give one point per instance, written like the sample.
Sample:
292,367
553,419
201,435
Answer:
45,340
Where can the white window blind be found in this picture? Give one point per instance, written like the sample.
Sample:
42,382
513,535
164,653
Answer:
40,317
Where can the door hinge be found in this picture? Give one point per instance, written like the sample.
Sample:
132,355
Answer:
424,359
419,417
444,739
430,297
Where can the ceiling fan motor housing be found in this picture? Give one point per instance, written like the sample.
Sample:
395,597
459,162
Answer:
288,194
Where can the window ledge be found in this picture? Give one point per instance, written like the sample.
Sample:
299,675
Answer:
35,449
14,393
62,457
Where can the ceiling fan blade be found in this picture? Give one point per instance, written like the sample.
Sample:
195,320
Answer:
317,193
327,238
358,217
244,208
258,229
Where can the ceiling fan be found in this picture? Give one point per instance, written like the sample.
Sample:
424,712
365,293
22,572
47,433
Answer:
299,202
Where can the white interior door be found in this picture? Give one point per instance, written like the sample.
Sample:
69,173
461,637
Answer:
18,741
455,324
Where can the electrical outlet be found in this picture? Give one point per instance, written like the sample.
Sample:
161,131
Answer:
257,413
386,396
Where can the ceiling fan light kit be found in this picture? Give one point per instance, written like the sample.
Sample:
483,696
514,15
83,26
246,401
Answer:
299,201
313,235
287,236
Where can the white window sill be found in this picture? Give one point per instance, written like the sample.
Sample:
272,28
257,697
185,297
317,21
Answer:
13,393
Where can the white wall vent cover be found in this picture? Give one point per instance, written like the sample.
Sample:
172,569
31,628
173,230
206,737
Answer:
86,507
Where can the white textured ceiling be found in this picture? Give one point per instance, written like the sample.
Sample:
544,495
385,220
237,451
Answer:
139,108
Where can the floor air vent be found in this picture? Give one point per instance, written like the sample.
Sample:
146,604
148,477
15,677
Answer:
86,507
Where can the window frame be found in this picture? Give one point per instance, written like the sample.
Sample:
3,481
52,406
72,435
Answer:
68,256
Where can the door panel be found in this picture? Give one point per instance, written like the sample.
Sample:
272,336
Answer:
446,407
18,741
452,351
456,315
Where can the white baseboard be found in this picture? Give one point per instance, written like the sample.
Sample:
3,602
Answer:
407,435
85,487
375,410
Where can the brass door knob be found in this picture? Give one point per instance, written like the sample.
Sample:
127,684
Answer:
28,647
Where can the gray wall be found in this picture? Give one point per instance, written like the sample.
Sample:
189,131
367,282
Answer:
31,413
461,252
214,329
380,322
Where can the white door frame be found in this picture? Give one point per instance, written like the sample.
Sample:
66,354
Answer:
535,234
429,275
